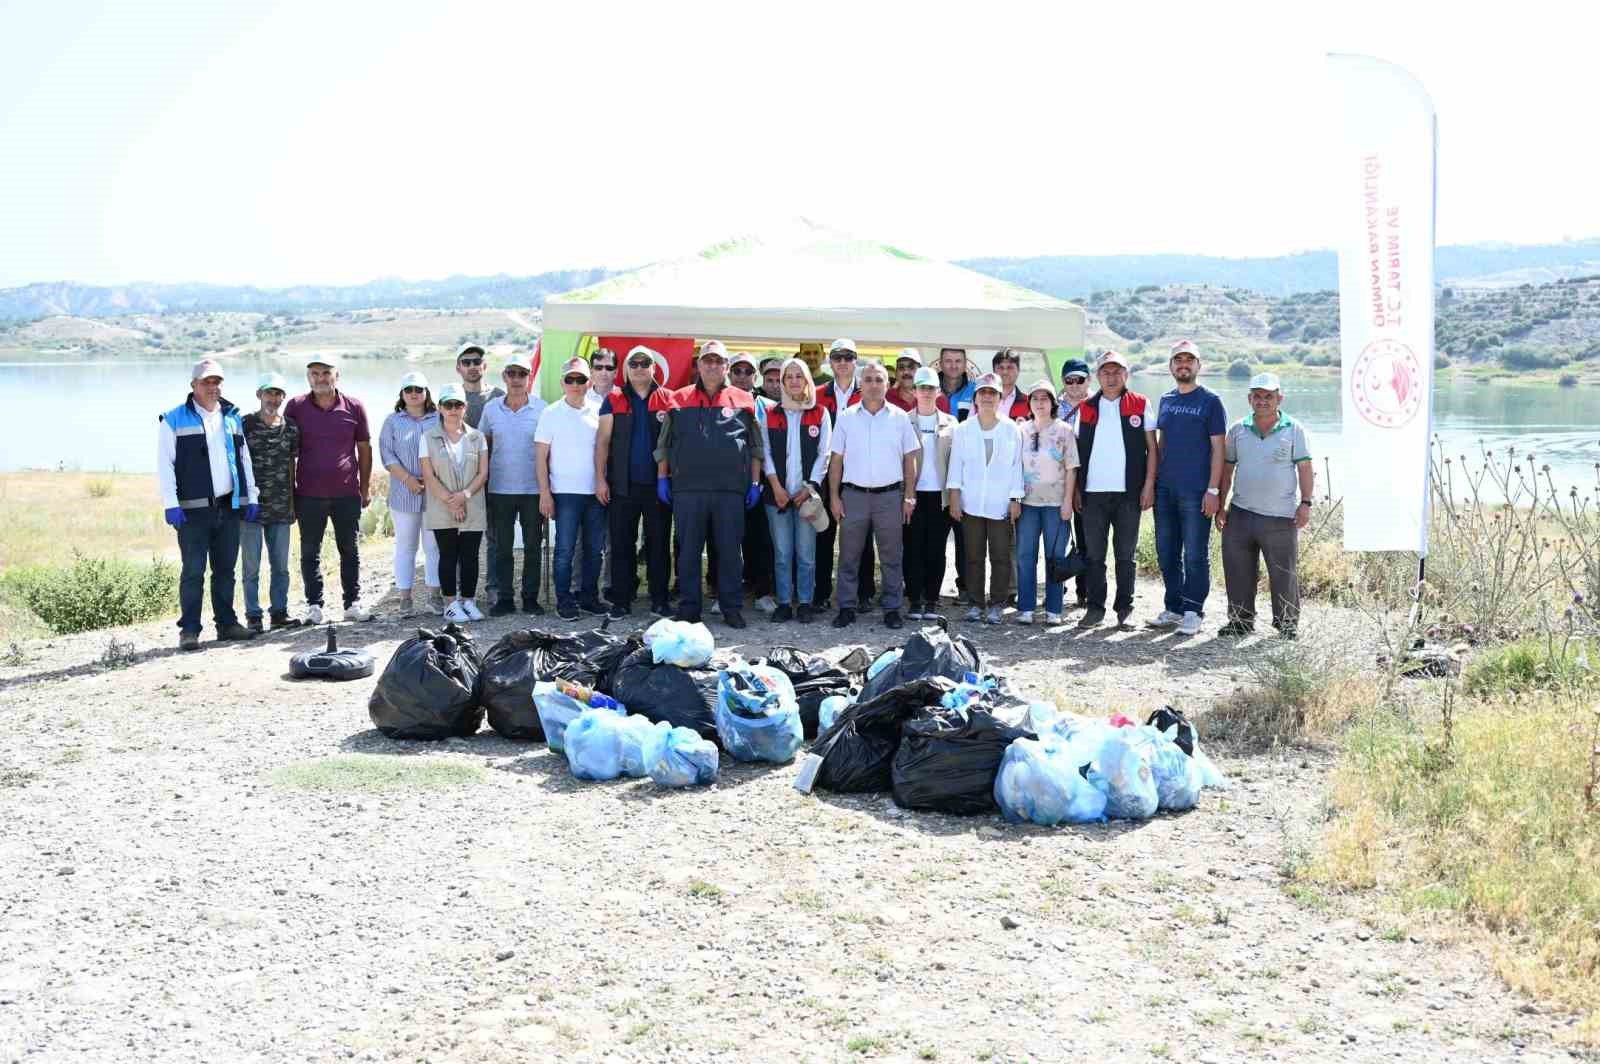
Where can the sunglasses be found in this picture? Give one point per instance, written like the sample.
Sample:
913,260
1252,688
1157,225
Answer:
413,388
742,371
601,367
451,404
1075,379
574,379
516,372
469,361
842,356
639,363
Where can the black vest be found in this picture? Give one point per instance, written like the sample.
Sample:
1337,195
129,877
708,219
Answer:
778,440
617,475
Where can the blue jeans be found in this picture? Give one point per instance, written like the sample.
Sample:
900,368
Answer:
277,538
575,513
793,540
209,534
1183,548
1039,523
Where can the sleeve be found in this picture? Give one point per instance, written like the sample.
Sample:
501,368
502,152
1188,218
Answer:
252,496
166,470
486,421
605,407
767,468
758,441
1301,445
1017,490
908,437
952,474
1069,445
363,434
1217,420
386,454
837,440
294,437
545,430
819,472
1230,446
664,438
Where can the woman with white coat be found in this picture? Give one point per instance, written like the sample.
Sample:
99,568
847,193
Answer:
985,485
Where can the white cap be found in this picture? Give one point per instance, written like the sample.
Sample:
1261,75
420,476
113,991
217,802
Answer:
206,367
842,344
1111,358
1267,382
331,361
471,345
272,380
713,347
1184,347
517,361
414,379
908,352
451,393
927,377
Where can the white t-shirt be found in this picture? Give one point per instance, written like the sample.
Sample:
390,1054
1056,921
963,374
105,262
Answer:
929,479
216,450
1108,462
571,433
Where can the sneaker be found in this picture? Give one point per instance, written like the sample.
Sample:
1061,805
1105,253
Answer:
1092,617
782,614
1288,632
734,619
567,613
660,609
1122,617
313,614
805,614
592,608
974,614
188,640
1024,617
234,633
994,615
1052,618
618,611
503,608
845,619
1190,625
472,610
254,624
715,607
687,616
891,619
404,605
766,603
357,612
1235,630
455,614
914,611
436,602
532,608
1166,619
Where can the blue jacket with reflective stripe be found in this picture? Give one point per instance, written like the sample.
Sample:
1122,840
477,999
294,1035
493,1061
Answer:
192,467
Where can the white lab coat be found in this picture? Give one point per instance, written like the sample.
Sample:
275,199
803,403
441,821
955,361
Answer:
987,489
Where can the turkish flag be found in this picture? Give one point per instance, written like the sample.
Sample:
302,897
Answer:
674,357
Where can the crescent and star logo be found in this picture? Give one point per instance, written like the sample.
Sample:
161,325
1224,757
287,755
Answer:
1386,384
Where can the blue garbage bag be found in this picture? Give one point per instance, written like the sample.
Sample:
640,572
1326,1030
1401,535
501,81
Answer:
828,711
685,760
1124,771
757,716
593,744
679,643
1177,775
884,660
640,742
557,711
1041,782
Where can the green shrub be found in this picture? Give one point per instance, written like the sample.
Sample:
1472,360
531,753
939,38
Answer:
1240,370
1527,358
1531,665
94,592
1274,358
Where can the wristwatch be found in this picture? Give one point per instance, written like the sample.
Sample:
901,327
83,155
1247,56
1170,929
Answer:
1213,491
1306,503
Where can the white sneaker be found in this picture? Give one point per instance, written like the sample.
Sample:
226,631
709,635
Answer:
357,612
1166,619
455,614
313,615
766,603
994,615
715,606
1052,618
916,614
974,614
1024,617
1189,624
470,607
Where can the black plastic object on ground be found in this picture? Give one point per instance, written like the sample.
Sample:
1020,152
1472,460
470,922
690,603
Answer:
930,652
858,751
684,698
1166,717
814,678
523,658
332,662
948,759
429,689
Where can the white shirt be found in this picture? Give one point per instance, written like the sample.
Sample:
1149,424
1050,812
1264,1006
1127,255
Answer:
843,392
874,446
1108,462
988,484
216,451
929,479
793,475
571,432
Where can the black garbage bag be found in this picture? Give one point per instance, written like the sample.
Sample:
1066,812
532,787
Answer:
930,652
1166,717
523,658
684,698
613,659
430,688
814,678
858,751
948,759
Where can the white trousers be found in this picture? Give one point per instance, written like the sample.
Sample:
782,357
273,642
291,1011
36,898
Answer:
407,531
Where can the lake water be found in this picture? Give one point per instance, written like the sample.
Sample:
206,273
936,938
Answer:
101,415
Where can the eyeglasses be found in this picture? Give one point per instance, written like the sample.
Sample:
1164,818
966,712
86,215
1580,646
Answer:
469,361
413,389
574,379
516,372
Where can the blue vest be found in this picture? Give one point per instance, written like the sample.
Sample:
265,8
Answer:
192,466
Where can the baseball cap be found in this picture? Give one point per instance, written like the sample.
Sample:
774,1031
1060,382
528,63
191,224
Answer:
470,346
575,365
988,380
206,367
908,352
743,357
451,393
272,380
1111,358
714,347
639,349
1267,382
331,361
841,344
518,361
814,512
1184,347
1041,385
1074,365
414,379
927,377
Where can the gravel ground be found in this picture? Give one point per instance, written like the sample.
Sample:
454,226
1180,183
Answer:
163,898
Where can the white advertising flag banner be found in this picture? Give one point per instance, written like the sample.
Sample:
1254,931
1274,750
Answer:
1384,188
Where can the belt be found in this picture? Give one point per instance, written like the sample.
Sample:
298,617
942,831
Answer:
896,486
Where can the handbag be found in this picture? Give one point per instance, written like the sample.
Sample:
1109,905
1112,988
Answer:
1059,567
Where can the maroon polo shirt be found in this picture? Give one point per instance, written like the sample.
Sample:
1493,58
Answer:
328,439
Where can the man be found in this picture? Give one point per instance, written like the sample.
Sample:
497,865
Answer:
1267,464
470,367
758,563
572,488
708,470
204,472
872,482
772,378
274,443
602,383
333,482
1117,451
836,396
955,386
904,392
1190,425
509,423
1013,403
626,445
1074,390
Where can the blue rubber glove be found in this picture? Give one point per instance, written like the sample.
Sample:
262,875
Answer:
664,490
174,516
252,513
752,497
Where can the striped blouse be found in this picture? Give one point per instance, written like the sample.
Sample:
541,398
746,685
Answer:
400,443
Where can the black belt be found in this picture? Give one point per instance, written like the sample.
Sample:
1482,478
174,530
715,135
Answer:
896,486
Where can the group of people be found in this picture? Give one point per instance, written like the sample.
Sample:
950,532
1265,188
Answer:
757,469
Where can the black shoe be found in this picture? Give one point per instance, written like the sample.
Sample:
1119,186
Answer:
503,608
1122,618
660,609
845,619
592,608
1092,617
533,609
687,616
618,610
254,624
783,613
1287,631
891,619
283,620
567,613
734,619
1235,630
188,640
805,614
234,633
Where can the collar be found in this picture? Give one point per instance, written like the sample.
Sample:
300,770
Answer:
1249,421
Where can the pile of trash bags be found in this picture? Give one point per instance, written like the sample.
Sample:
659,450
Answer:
682,697
929,652
757,716
815,679
521,659
430,688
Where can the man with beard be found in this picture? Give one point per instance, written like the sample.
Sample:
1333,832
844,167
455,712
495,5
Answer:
1190,427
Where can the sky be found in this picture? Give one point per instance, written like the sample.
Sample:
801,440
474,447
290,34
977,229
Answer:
326,141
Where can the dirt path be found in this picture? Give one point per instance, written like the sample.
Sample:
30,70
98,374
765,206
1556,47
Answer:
163,899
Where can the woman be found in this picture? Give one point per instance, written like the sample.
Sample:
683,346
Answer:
796,433
1074,390
455,465
930,524
1049,471
400,451
985,484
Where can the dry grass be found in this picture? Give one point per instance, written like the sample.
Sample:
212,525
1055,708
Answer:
1306,691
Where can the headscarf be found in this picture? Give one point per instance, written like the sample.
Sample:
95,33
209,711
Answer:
788,401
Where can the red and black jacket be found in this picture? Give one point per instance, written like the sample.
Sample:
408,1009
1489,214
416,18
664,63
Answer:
1135,422
778,439
712,437
621,407
828,399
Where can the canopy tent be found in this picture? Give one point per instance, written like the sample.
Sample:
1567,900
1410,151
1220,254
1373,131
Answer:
806,284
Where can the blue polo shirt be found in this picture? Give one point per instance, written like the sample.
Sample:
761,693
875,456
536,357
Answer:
1186,424
641,439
